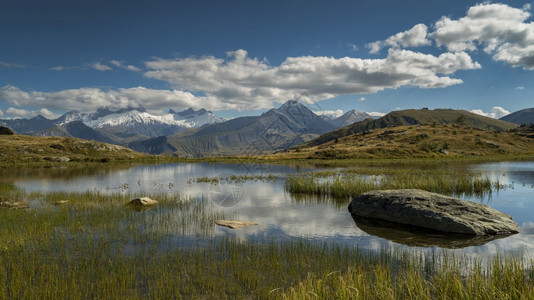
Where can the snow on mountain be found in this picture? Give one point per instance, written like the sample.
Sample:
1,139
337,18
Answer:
329,114
134,116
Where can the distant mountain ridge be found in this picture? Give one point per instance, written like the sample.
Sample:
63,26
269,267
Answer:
119,127
289,125
416,117
524,116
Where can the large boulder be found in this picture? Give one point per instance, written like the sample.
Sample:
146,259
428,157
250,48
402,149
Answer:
6,131
432,211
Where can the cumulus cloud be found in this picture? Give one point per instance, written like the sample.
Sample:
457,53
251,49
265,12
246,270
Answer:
520,88
251,83
496,112
414,37
362,98
121,64
100,67
23,113
243,83
498,29
89,99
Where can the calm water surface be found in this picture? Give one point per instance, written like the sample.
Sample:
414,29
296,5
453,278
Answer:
281,216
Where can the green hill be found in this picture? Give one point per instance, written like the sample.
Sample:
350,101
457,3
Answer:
28,149
416,117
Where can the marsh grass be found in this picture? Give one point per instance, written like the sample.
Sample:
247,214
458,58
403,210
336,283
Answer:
94,246
342,184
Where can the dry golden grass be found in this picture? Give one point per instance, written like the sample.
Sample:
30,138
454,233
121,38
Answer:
30,149
416,141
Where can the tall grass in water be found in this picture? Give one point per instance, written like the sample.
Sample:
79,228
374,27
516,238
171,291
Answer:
95,247
343,185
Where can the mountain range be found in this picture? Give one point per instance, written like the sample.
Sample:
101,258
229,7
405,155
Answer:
118,127
287,126
197,133
189,132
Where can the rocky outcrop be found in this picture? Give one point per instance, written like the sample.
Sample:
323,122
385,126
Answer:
6,131
432,211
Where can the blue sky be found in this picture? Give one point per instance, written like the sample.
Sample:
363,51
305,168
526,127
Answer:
243,57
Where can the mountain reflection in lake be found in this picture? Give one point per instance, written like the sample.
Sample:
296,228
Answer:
281,216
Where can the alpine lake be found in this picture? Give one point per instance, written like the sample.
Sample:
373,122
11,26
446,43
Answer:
260,193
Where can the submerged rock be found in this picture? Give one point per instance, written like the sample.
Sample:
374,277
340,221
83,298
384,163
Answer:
432,211
234,224
13,204
143,201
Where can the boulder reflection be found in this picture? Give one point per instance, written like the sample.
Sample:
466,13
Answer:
420,237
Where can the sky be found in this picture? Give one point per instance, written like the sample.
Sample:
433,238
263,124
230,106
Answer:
243,57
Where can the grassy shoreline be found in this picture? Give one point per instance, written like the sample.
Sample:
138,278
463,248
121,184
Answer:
95,247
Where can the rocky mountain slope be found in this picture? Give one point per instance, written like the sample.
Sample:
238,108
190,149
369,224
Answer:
524,116
119,127
289,125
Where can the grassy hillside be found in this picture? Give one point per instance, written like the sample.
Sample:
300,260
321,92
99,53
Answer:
417,141
23,148
415,117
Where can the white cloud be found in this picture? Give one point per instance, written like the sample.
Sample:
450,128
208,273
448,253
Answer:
245,82
376,114
60,68
23,113
330,113
1,112
11,65
353,47
520,88
121,64
496,112
100,67
500,29
362,98
414,37
89,99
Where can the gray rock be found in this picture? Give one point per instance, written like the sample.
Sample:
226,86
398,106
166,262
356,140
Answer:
432,211
61,159
143,201
234,224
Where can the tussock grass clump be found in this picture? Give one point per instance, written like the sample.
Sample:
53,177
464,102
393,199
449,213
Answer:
354,182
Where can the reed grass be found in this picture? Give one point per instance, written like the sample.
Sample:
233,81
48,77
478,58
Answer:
352,182
93,246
